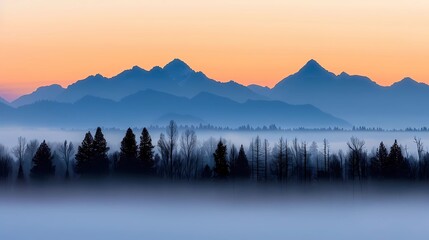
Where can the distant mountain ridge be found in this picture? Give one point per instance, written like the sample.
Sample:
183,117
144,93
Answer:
4,101
152,107
176,78
50,92
357,99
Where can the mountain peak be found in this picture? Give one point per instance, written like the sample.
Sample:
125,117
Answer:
406,82
311,67
177,65
134,68
408,79
98,76
344,74
50,88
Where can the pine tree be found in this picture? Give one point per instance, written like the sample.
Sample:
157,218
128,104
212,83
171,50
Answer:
397,167
128,163
379,162
84,156
221,169
42,163
100,161
241,167
146,153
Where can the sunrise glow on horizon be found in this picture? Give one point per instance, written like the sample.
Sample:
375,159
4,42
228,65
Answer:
249,41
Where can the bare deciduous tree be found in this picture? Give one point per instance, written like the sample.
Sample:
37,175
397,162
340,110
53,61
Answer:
356,157
188,144
19,151
66,150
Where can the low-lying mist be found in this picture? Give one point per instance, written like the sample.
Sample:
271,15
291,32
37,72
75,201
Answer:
337,139
208,211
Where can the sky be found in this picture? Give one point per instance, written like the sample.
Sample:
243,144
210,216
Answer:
250,41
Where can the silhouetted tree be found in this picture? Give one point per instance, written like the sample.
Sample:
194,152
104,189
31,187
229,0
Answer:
257,156
221,168
19,152
305,158
419,145
128,162
43,167
280,163
357,158
396,166
233,154
145,154
165,155
241,168
335,168
30,150
5,164
326,154
188,144
66,151
265,166
100,161
379,162
172,134
84,156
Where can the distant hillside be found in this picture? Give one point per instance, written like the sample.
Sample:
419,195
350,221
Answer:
3,101
42,93
153,107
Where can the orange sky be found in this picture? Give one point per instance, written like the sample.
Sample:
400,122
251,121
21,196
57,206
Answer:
250,41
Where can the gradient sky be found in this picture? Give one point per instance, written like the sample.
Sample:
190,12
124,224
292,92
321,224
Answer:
249,41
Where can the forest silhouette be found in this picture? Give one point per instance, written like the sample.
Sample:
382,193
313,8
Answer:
179,156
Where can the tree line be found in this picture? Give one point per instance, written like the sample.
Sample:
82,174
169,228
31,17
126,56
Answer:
180,156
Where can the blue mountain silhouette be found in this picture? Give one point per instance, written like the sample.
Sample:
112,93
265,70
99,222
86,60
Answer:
357,99
42,93
354,98
3,101
153,107
176,78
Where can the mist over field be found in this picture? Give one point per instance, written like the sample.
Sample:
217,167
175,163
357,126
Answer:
337,139
214,120
153,211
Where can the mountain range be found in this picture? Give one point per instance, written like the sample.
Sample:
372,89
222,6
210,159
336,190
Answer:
150,107
312,97
355,98
176,78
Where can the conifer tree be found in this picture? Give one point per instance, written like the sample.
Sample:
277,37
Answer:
397,167
84,156
100,161
221,169
241,167
43,167
379,162
128,162
146,153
